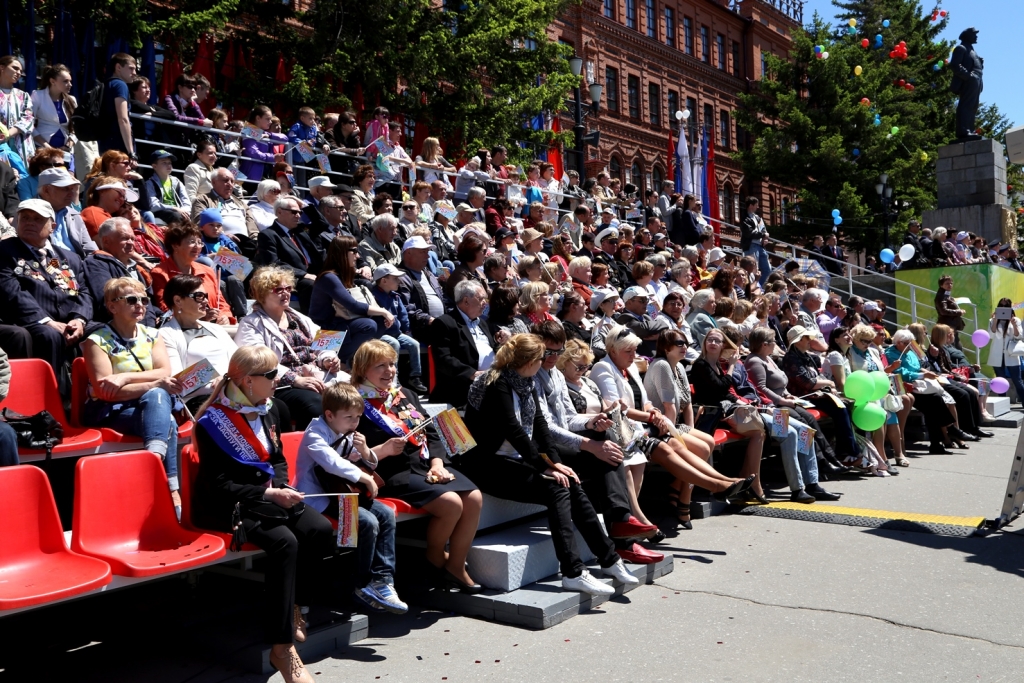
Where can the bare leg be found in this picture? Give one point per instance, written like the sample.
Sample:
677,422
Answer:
878,439
892,433
908,403
699,443
462,536
285,658
445,512
683,468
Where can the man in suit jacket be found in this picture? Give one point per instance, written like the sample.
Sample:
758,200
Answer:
44,289
461,344
282,244
319,187
833,251
913,238
420,291
115,259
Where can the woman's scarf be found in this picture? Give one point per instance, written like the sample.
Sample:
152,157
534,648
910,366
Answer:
379,407
233,398
523,387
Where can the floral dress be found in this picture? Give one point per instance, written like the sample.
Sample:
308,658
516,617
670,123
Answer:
16,112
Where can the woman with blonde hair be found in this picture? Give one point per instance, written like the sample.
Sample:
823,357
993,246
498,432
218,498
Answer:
432,163
966,421
535,303
242,488
421,474
529,269
515,459
863,356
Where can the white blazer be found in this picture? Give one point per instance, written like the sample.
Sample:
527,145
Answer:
45,114
1000,345
613,385
258,329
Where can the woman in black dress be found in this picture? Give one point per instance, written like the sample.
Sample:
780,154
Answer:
242,487
422,475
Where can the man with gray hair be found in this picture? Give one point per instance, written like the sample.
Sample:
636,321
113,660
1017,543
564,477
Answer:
476,198
238,221
379,246
116,258
461,344
810,304
287,245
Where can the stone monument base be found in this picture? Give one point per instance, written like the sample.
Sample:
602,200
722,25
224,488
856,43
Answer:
971,179
992,221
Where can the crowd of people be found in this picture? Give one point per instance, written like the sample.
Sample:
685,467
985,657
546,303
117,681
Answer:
583,331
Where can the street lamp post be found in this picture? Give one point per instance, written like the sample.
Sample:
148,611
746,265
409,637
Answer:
884,190
581,137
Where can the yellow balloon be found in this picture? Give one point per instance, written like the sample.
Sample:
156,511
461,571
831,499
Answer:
858,70
853,22
924,156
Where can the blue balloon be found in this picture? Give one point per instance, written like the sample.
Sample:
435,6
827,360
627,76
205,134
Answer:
887,255
835,213
838,220
878,38
856,152
817,49
885,23
935,68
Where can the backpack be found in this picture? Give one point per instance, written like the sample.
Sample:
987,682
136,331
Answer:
86,118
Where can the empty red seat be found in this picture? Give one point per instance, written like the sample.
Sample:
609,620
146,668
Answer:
33,389
124,516
36,565
290,445
79,395
188,468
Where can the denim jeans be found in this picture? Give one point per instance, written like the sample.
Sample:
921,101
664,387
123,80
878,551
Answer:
8,445
151,419
404,341
1012,373
376,544
763,264
801,468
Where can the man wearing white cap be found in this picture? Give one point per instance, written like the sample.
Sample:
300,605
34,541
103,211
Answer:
385,291
44,289
636,317
420,290
320,186
607,242
60,189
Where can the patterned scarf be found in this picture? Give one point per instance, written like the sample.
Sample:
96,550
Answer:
523,387
235,399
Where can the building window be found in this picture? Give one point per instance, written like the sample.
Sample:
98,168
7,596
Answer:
637,177
709,118
611,89
720,47
764,64
615,168
609,8
652,20
705,45
673,105
727,203
654,103
670,27
688,35
633,87
724,136
656,179
735,58
631,14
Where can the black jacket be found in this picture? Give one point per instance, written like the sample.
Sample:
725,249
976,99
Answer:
751,227
275,247
100,268
222,481
456,358
27,299
682,227
8,191
411,291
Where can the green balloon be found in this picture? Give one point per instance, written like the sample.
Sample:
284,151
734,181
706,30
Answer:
859,386
881,385
895,130
869,417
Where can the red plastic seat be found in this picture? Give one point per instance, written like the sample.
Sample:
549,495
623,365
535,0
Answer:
124,516
815,413
401,507
79,395
431,373
290,445
721,436
188,468
36,565
34,388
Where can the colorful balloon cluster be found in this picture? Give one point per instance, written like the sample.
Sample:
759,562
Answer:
864,388
899,52
901,83
819,52
938,13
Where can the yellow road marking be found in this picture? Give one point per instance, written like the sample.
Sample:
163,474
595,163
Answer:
882,514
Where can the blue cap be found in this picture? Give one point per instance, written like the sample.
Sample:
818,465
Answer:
160,154
210,216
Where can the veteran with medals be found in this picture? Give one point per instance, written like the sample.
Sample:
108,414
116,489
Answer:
242,488
44,289
413,463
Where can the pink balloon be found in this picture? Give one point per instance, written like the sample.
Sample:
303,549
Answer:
1000,385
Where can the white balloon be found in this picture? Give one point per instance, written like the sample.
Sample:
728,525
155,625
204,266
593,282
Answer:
906,252
824,55
686,113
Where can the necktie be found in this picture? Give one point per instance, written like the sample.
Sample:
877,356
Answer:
295,241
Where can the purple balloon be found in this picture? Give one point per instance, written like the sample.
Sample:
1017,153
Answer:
1000,385
980,338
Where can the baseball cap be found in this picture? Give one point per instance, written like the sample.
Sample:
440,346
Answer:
160,154
40,206
716,254
129,194
608,210
659,236
871,306
529,235
633,292
503,233
58,177
463,207
210,216
384,270
606,234
798,331
414,242
962,235
602,294
320,181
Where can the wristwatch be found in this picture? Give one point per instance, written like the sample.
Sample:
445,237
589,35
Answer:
133,156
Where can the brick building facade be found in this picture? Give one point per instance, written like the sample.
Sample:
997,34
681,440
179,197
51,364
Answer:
655,57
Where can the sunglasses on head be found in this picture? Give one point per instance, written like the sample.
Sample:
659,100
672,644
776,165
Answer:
134,299
270,374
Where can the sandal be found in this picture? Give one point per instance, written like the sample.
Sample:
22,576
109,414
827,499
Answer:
902,462
682,509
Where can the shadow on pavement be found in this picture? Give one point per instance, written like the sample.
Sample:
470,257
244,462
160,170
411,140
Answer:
1002,551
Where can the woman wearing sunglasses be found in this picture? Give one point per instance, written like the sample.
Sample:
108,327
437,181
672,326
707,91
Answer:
241,487
189,338
130,382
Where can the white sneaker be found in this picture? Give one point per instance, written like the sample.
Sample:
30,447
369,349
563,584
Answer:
619,572
585,583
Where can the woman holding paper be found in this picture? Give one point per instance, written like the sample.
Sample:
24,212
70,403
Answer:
130,383
395,424
242,488
190,339
184,243
289,334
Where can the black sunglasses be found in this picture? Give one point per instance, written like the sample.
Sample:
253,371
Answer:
550,352
271,374
133,299
198,296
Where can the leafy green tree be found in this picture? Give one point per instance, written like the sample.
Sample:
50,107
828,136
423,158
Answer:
820,127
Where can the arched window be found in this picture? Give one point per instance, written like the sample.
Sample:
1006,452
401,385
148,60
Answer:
636,173
727,202
657,177
615,168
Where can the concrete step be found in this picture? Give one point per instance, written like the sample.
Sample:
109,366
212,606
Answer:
507,560
1008,420
321,641
997,405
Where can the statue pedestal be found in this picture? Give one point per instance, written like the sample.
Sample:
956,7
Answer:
972,191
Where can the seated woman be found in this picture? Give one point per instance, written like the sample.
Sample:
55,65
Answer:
199,174
863,356
267,192
472,251
687,459
275,324
603,303
964,408
130,383
528,268
943,337
338,303
580,272
701,317
414,467
242,488
572,312
189,338
503,313
184,243
515,459
937,416
535,303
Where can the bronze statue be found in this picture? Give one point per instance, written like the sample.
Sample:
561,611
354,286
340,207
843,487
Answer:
967,68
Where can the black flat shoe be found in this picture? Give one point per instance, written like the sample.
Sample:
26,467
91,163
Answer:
734,489
960,435
938,449
983,434
821,494
659,536
801,496
451,581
